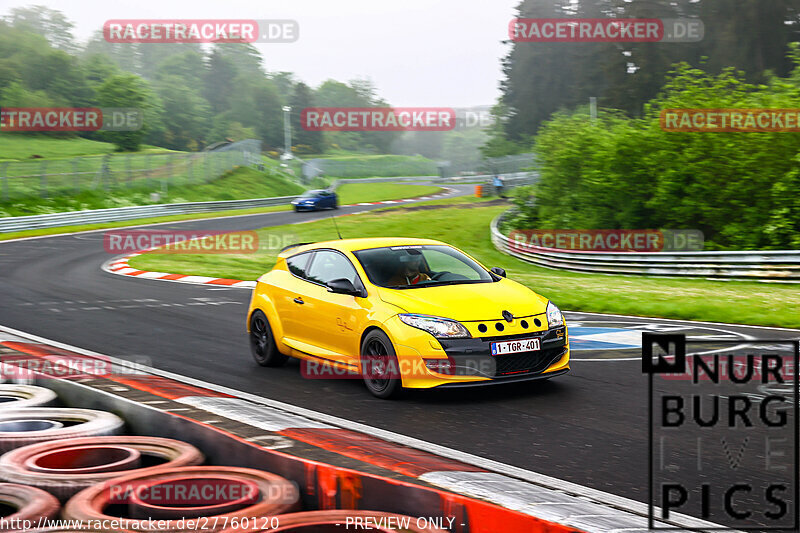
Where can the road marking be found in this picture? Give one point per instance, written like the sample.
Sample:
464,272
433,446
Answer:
244,411
628,337
137,304
581,313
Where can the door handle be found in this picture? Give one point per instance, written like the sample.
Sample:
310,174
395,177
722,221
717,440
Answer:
299,300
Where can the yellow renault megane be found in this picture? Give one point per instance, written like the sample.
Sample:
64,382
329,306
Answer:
403,313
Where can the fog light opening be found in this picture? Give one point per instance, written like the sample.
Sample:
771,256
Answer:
440,366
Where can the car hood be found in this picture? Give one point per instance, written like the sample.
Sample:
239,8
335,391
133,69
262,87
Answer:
467,302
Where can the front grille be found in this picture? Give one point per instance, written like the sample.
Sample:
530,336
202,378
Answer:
516,336
544,334
527,362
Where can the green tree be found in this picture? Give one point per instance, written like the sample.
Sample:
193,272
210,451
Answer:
358,93
189,66
284,82
218,83
244,57
186,115
127,90
302,98
125,55
153,55
256,104
98,68
620,172
49,23
541,78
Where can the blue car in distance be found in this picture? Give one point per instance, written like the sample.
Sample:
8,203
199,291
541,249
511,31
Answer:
316,199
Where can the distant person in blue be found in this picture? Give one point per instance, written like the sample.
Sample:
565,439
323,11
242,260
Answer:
498,185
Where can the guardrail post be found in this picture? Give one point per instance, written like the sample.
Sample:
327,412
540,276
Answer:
165,179
43,179
76,177
105,172
3,169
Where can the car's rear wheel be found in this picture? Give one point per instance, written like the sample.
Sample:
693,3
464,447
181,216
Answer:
262,342
379,366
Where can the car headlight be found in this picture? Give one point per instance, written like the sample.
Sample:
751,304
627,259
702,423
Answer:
554,316
436,326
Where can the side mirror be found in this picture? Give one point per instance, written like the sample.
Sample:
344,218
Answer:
343,286
499,271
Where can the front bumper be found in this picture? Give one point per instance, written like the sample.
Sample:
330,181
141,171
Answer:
305,207
472,359
504,381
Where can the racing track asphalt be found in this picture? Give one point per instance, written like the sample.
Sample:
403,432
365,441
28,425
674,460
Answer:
589,427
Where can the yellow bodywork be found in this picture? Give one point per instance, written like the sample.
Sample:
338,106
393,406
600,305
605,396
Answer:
330,327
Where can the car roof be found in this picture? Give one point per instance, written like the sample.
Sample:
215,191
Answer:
350,245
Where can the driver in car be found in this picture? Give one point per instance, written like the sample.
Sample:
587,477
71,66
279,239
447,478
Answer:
409,272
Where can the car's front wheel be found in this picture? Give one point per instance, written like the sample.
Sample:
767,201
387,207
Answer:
262,342
379,366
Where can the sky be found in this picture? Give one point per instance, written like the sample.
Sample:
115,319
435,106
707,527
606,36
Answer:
417,52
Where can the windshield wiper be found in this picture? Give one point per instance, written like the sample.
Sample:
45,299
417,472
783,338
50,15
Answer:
442,283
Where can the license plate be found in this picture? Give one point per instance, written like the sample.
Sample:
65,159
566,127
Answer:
522,345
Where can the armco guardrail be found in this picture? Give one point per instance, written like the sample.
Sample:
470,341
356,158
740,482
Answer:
117,214
770,266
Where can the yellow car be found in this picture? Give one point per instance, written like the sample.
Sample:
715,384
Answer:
403,313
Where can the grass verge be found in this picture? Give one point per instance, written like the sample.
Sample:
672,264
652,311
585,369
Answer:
16,146
354,193
467,227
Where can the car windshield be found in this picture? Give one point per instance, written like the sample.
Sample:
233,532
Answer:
310,194
408,267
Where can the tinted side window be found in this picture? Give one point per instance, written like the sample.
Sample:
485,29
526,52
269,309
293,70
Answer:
328,266
297,264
